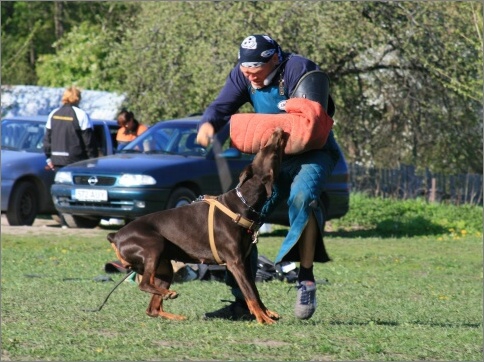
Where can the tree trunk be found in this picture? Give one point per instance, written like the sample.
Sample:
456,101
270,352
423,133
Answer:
58,12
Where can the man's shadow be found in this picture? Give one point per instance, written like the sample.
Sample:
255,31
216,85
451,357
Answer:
387,228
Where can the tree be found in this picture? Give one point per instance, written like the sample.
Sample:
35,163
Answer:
30,28
80,59
431,100
406,76
26,32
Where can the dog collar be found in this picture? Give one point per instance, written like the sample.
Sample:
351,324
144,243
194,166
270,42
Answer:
241,197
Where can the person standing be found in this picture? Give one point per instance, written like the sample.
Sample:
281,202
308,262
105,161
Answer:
266,77
69,135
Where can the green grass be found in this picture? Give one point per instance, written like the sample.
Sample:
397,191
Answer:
389,217
388,298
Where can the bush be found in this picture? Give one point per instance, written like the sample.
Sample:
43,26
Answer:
388,217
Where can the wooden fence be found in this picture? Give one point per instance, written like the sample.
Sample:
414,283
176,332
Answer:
406,183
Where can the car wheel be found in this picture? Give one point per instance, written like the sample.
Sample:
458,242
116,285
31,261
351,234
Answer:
179,197
24,205
81,222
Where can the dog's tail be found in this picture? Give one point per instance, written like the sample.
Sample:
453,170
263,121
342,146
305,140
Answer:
110,237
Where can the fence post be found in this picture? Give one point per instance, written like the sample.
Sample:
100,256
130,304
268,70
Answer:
433,190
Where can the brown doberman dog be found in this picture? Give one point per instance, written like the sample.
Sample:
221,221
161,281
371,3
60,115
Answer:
210,230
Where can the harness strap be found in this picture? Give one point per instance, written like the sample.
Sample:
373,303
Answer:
211,237
237,218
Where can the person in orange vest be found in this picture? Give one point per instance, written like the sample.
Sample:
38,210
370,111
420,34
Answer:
129,128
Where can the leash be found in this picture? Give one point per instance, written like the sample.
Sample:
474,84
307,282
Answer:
250,225
107,297
222,165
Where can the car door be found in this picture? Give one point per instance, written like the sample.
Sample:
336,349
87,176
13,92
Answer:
105,135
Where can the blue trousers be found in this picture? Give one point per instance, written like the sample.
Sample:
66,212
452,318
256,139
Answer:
301,181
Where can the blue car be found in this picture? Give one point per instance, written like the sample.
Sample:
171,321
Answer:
25,180
164,168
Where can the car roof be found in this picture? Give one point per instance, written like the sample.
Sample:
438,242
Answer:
187,120
27,118
43,118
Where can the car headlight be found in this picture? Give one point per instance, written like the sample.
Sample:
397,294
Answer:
136,180
63,177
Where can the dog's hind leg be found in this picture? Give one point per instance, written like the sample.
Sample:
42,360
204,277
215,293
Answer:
152,261
164,277
155,309
118,255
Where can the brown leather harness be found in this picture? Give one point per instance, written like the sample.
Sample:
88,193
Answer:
251,226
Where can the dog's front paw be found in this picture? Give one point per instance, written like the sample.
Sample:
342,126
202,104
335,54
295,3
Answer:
272,315
265,319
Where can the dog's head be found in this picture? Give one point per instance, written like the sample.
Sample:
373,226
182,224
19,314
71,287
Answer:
267,161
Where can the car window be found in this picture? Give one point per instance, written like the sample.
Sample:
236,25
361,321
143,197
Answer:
173,139
22,135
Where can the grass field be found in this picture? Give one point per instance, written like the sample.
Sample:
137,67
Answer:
405,284
395,298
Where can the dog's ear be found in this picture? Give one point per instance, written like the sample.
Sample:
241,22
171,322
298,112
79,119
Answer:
246,174
268,181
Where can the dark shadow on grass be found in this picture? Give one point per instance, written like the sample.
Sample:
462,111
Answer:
388,228
44,217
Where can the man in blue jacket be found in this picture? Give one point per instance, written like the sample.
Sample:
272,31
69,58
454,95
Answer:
266,77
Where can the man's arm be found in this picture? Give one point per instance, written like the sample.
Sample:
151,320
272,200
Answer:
87,132
234,94
47,143
90,141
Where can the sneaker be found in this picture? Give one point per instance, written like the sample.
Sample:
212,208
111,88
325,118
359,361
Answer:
236,311
306,299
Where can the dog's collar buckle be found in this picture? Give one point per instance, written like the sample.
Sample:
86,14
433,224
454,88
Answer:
237,218
255,237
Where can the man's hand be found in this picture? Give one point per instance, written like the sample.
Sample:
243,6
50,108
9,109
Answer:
49,165
205,134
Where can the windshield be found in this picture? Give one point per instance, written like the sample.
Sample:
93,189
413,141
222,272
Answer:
19,135
177,139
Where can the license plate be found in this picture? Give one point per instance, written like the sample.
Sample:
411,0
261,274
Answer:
90,195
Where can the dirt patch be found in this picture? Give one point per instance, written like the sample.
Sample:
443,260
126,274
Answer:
46,226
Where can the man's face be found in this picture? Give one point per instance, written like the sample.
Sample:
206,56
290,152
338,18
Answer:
257,75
